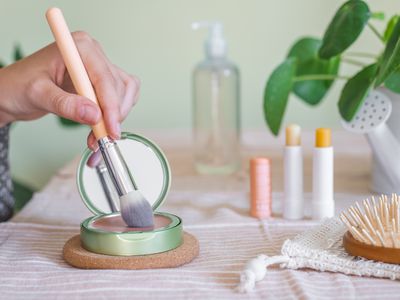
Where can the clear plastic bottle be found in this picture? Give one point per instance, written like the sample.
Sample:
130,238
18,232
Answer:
216,107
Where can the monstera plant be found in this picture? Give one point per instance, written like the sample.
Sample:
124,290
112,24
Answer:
313,64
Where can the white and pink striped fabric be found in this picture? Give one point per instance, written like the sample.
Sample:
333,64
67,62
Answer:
214,209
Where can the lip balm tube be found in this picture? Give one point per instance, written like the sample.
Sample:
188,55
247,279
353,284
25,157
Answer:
260,188
323,205
293,206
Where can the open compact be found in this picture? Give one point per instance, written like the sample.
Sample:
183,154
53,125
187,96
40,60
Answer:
106,232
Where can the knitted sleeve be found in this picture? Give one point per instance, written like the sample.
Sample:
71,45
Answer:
6,196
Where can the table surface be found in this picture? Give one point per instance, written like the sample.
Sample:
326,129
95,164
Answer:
213,208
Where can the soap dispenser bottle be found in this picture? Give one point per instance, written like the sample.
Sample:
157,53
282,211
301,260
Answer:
216,107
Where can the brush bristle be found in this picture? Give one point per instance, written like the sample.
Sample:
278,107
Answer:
375,222
136,211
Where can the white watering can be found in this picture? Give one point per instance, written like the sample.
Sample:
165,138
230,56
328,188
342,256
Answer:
382,129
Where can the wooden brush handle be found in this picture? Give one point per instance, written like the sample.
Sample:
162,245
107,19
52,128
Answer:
73,62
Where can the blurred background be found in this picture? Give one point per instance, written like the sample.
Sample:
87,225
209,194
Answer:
153,40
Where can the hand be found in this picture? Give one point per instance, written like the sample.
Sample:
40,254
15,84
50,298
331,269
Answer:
40,84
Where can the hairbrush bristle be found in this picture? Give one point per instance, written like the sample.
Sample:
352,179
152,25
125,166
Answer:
375,222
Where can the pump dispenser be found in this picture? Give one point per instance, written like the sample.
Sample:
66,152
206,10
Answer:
215,45
216,114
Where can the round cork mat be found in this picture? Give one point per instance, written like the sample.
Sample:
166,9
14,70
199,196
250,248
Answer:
78,257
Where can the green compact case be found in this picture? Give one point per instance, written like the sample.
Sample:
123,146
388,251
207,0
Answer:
105,232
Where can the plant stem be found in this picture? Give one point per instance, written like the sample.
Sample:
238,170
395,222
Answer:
353,62
360,54
374,30
319,77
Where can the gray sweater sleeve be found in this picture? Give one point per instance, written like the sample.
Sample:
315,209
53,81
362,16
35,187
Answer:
6,195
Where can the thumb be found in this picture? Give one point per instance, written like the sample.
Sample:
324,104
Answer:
70,106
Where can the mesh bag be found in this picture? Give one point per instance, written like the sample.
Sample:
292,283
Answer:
321,249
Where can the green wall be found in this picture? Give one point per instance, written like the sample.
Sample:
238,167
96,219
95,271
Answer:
153,40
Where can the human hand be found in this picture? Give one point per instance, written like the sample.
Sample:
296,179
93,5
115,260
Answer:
40,84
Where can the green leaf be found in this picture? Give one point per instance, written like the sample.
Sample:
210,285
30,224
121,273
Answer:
345,27
379,15
18,53
390,61
355,91
277,92
389,27
67,122
308,63
393,82
2,64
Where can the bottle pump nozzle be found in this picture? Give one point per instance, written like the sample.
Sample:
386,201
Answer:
215,45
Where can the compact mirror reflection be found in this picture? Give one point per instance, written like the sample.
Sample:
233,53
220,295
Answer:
146,164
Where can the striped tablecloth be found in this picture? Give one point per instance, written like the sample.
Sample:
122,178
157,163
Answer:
214,209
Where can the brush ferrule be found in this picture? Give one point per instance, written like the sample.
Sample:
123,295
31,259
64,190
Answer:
116,166
108,186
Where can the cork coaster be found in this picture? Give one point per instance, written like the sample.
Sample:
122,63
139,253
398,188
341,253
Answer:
78,257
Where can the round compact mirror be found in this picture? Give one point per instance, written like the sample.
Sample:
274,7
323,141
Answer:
148,167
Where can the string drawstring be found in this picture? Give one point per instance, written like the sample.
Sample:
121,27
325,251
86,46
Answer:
256,270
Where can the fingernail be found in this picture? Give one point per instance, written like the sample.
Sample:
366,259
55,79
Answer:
94,159
94,146
117,131
137,81
89,113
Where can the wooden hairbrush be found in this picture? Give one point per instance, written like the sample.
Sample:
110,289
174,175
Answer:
374,229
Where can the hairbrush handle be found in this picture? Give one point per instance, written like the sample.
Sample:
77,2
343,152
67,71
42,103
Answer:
73,62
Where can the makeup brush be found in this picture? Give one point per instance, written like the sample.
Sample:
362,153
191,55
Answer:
107,185
96,161
136,211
